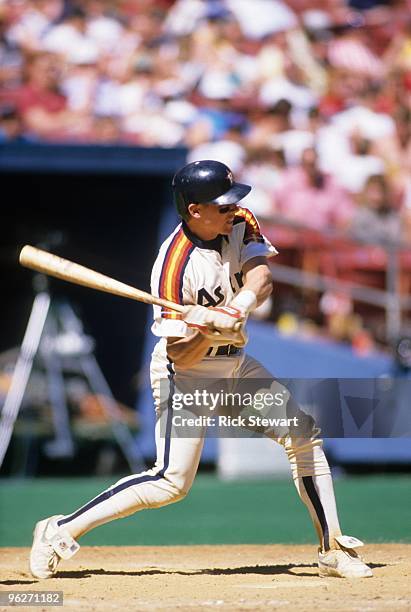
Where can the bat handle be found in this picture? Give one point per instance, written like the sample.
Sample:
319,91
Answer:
170,305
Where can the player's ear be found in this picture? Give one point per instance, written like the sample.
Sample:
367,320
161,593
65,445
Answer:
194,210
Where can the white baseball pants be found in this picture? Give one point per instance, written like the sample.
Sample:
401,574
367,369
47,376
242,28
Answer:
177,459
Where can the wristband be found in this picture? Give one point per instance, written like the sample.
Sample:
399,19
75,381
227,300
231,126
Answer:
245,300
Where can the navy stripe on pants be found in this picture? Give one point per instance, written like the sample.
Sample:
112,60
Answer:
316,502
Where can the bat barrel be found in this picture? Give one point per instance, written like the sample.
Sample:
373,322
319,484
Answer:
47,263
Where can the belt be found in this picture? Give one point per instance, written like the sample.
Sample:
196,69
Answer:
225,349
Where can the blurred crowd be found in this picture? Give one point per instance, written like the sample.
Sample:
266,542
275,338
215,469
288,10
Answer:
307,100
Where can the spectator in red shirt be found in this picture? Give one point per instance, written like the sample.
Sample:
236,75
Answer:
40,104
309,196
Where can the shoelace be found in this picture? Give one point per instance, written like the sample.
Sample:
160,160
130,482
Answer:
53,562
352,555
49,554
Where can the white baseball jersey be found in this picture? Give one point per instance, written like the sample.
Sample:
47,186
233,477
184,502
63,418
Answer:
189,270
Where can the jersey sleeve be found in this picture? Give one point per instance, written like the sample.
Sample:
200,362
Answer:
170,280
253,242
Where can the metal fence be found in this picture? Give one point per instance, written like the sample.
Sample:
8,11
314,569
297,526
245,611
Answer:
329,259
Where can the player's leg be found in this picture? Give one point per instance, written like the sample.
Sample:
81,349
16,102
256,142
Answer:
312,478
167,482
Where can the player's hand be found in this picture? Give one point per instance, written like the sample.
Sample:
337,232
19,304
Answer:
219,318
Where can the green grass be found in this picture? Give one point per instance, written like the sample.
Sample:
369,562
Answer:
376,509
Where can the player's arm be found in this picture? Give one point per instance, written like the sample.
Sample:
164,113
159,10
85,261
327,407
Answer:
258,284
187,352
258,278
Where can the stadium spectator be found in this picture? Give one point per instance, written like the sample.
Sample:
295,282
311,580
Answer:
229,149
31,20
349,51
10,125
263,168
309,196
102,26
262,17
41,105
396,154
268,122
375,219
11,56
70,39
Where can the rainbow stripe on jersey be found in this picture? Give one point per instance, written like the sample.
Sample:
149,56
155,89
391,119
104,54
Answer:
252,231
172,272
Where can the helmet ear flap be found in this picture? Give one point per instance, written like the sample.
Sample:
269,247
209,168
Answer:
181,205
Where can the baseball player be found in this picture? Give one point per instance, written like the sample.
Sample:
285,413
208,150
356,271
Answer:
216,258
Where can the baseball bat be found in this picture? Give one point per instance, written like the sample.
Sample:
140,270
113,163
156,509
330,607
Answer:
47,263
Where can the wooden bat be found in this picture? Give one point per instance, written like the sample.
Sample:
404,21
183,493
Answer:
45,262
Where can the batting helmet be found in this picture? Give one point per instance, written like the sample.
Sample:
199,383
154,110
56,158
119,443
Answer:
206,182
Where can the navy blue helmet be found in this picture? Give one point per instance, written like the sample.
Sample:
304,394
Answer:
206,182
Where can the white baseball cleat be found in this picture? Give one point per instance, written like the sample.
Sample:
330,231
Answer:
344,562
50,544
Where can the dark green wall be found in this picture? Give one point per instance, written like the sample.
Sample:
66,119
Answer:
103,216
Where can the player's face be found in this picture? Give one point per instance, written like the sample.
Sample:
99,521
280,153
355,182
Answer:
218,219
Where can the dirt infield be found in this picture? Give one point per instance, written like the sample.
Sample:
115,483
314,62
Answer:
208,577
